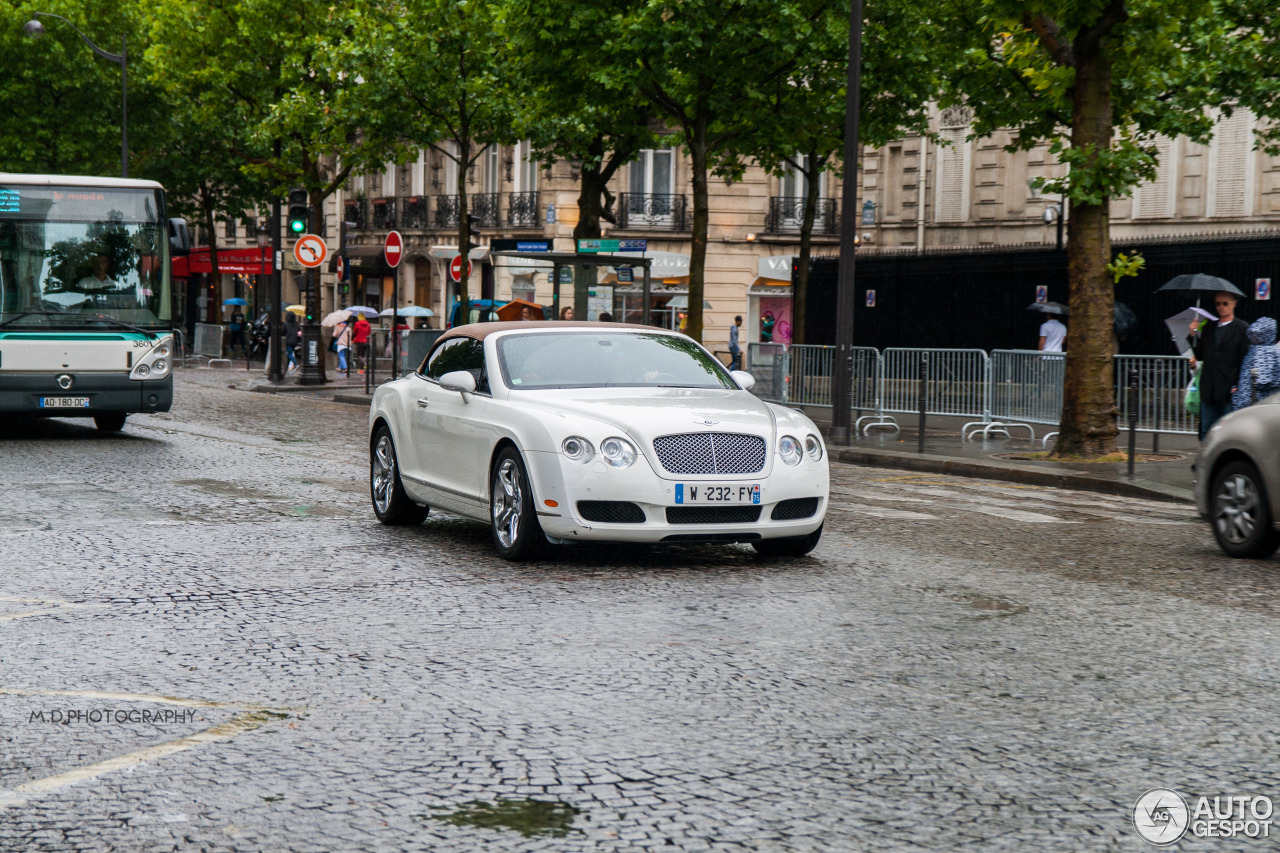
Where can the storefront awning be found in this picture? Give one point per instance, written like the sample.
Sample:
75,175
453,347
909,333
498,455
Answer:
252,261
366,260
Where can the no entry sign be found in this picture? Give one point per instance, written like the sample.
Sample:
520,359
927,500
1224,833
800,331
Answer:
455,268
393,250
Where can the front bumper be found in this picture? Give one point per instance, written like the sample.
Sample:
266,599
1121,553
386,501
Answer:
108,393
566,483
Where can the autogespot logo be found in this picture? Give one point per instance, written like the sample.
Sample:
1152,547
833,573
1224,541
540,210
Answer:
1161,816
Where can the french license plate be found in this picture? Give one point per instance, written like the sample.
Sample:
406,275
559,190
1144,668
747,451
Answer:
64,402
717,493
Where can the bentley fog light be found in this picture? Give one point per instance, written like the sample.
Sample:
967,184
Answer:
618,452
577,448
813,447
789,450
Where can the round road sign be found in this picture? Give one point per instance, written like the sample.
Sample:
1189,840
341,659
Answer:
455,268
310,251
393,249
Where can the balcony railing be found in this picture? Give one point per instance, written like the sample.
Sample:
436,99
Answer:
786,215
659,212
415,212
384,213
355,211
483,205
522,210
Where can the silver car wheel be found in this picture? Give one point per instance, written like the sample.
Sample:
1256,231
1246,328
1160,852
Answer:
1235,508
507,503
383,473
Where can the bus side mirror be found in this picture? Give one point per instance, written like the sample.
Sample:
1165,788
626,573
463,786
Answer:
179,237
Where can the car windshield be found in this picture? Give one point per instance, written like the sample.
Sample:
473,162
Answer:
587,359
70,258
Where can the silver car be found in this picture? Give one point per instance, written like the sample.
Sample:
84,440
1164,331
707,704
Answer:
1238,480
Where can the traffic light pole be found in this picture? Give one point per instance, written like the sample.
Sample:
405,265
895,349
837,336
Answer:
276,317
312,372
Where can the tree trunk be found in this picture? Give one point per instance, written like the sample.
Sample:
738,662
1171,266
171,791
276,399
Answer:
215,278
701,218
590,189
1089,408
464,230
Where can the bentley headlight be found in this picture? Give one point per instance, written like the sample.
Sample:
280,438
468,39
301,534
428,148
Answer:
813,447
618,452
577,448
789,450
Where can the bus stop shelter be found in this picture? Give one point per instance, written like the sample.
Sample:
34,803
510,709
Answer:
560,260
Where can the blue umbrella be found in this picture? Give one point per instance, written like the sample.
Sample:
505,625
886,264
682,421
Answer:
235,301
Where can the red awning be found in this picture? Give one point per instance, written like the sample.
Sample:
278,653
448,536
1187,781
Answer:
252,261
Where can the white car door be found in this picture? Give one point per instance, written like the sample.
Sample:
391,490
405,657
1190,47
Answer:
449,432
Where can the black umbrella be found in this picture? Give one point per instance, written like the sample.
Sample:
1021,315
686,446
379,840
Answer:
1125,320
1048,308
1201,282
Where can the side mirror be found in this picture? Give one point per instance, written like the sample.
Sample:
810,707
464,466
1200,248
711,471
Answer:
746,380
179,237
459,380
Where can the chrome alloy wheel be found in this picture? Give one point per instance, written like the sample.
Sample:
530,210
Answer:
383,473
507,503
1235,508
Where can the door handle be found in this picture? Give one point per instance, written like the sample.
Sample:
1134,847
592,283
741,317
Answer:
422,402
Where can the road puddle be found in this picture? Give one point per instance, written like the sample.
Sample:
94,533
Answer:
528,817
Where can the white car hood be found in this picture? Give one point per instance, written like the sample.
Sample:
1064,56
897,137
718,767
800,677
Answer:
646,413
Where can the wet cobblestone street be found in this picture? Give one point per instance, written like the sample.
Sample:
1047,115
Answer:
960,663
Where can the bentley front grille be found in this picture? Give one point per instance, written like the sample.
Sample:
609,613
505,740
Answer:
710,453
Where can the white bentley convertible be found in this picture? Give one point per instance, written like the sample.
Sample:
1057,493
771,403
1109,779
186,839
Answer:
571,432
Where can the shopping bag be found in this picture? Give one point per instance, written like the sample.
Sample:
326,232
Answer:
1192,399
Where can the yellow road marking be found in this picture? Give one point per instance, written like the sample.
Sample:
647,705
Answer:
127,697
49,607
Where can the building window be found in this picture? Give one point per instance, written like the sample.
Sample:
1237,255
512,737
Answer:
1231,165
418,175
1157,199
491,169
951,198
230,232
653,173
526,168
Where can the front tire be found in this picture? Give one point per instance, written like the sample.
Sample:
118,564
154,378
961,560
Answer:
791,546
513,517
109,423
390,502
1241,513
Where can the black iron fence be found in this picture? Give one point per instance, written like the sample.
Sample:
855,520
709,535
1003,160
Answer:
786,215
415,213
657,212
384,213
356,211
978,298
522,210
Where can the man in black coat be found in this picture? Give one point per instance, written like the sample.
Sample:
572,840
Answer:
1221,348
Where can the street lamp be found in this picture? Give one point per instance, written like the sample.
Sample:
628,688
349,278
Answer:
263,237
1053,212
35,29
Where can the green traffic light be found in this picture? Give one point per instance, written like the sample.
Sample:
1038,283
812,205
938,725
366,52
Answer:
297,226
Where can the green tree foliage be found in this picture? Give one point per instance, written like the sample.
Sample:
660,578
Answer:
61,103
442,79
1098,80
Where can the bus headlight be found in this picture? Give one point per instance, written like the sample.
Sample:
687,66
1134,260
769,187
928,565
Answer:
156,363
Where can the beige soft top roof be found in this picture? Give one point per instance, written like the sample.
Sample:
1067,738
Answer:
480,331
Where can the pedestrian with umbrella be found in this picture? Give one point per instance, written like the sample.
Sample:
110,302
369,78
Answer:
1219,346
1052,331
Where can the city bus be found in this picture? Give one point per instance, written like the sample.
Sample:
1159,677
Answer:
86,302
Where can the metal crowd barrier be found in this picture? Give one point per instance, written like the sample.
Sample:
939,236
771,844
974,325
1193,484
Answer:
957,383
1010,389
1026,388
1162,385
208,340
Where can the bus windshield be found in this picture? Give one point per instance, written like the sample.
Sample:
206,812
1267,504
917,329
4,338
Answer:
75,257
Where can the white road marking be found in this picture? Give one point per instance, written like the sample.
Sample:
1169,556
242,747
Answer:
1017,515
47,607
881,512
19,794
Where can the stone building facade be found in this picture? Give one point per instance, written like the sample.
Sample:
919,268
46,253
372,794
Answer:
974,193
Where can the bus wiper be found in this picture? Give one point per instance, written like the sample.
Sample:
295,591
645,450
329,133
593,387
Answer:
22,314
121,324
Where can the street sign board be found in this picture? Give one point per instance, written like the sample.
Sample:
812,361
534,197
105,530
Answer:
505,245
341,268
626,275
595,246
310,251
455,268
393,249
